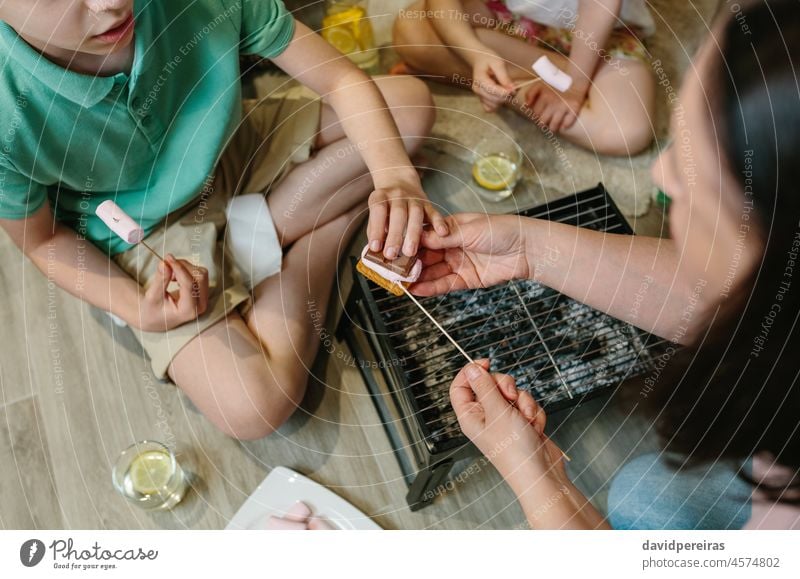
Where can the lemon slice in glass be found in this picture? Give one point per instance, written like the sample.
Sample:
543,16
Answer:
150,472
494,172
344,15
341,39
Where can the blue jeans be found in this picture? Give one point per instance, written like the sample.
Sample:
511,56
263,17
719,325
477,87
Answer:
648,494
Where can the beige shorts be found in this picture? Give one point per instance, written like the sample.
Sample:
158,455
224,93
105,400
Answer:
276,134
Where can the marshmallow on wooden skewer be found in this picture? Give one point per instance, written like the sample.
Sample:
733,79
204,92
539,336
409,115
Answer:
395,277
551,74
122,224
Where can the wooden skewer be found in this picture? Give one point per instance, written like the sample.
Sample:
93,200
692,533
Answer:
437,324
152,250
449,337
527,82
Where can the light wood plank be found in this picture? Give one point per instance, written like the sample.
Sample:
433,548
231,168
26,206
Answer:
18,276
27,488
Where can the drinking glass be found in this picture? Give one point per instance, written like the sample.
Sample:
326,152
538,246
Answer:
347,27
147,474
496,167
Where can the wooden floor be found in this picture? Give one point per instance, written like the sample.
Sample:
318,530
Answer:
75,390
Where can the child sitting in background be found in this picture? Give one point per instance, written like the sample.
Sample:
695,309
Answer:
491,45
140,102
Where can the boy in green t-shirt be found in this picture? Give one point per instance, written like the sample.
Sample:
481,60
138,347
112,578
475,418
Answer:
140,102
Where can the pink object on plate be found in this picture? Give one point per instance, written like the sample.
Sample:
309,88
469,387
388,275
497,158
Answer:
551,74
298,512
317,524
120,222
279,524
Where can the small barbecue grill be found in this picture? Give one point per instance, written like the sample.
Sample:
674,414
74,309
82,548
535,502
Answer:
560,350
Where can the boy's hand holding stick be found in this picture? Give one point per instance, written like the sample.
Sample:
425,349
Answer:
123,225
161,309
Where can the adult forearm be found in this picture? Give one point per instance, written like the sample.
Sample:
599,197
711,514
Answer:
633,278
77,266
551,504
452,25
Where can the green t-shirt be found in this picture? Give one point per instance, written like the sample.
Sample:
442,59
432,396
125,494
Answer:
149,140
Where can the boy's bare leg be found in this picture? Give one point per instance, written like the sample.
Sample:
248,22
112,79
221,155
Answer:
248,375
289,309
618,120
225,374
336,178
248,386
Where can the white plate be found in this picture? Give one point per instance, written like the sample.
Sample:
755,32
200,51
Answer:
282,488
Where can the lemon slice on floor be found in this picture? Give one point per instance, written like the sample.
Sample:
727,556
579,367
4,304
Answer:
341,39
150,472
494,172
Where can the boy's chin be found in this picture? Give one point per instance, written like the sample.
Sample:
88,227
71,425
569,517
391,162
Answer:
100,49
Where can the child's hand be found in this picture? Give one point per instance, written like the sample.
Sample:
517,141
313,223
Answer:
490,81
161,310
406,207
553,109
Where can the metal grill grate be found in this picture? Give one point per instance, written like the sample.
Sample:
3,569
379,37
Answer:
557,348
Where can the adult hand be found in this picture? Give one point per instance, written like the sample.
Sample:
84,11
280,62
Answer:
481,250
161,310
507,428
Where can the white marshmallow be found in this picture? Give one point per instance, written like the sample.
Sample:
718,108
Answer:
551,74
120,222
388,274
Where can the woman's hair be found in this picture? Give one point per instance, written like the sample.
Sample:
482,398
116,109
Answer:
735,392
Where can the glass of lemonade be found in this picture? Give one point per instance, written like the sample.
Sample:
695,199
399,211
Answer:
147,474
347,27
496,167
